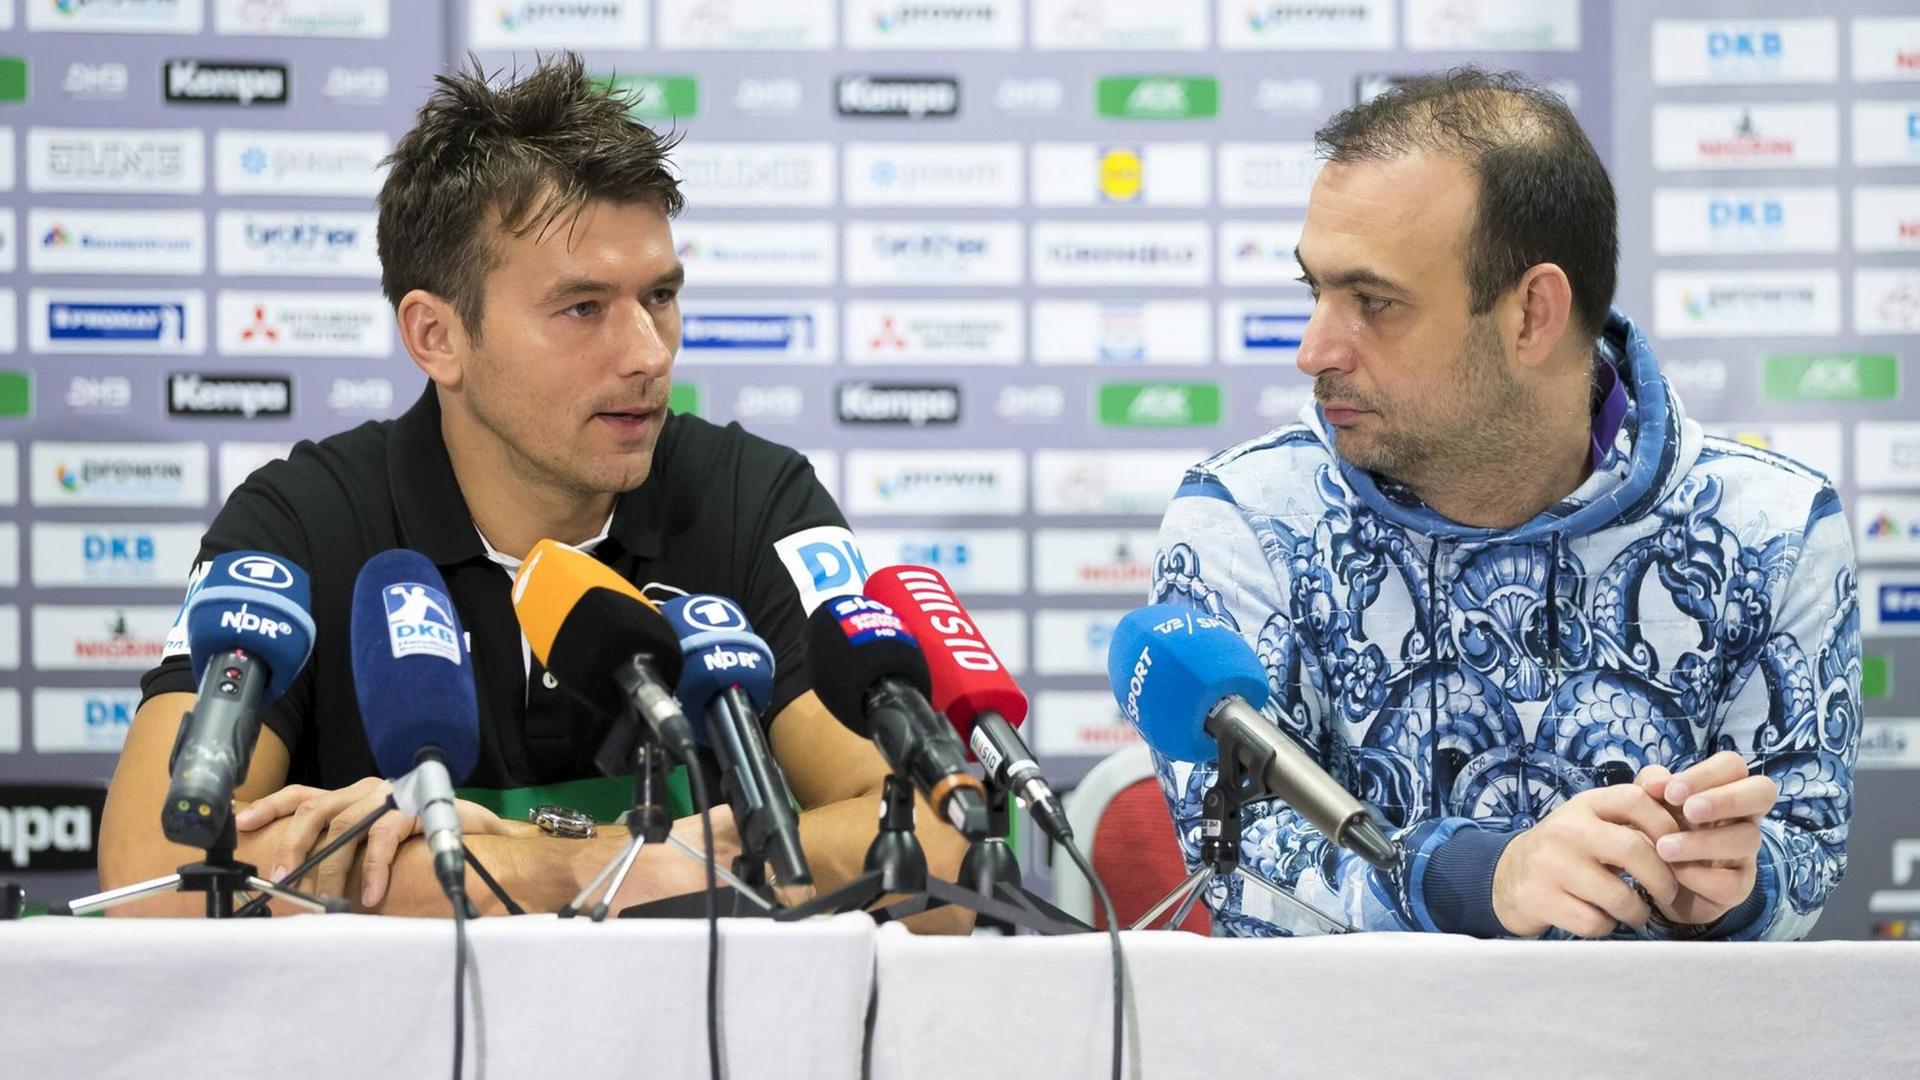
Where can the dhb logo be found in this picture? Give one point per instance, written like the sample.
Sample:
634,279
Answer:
420,622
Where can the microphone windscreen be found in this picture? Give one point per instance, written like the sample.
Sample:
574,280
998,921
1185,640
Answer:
412,669
1169,665
257,602
720,650
852,643
552,579
601,633
968,677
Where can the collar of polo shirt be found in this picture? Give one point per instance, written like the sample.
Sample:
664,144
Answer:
434,519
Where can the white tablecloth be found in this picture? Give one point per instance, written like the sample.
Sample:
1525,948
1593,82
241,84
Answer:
347,996
1398,1005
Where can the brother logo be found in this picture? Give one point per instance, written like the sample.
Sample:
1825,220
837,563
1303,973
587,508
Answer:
882,95
913,405
248,396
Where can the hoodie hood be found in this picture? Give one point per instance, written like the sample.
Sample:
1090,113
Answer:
1655,447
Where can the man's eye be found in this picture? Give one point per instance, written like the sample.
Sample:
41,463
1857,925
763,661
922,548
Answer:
585,308
1372,305
1313,290
661,297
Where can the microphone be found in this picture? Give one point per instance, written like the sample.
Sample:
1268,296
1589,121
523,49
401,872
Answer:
971,686
414,681
724,687
248,635
1185,680
871,676
605,644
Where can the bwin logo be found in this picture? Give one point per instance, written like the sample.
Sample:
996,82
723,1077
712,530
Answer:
420,622
248,623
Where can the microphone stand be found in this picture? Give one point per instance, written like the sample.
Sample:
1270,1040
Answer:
991,868
897,864
218,875
648,822
1233,788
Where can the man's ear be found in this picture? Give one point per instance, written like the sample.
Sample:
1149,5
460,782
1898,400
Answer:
1544,298
434,336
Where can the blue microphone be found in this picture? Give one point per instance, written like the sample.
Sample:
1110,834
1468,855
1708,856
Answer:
725,685
1188,682
413,679
248,635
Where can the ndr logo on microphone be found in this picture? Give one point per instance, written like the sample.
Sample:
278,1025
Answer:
420,622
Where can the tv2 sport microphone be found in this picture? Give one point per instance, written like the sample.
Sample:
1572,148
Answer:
248,635
725,685
1186,681
413,679
871,676
972,687
604,643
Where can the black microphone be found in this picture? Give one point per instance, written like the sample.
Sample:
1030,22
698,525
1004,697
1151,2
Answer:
605,644
870,674
725,685
248,635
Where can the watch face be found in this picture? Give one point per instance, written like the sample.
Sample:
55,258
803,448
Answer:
561,820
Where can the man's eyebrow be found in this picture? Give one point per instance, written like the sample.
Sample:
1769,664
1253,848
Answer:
1359,275
568,288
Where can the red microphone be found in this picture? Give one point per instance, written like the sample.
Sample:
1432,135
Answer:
971,687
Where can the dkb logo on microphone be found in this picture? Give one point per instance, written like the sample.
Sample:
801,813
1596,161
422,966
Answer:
420,622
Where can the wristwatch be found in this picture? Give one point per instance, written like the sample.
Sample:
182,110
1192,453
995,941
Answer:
562,821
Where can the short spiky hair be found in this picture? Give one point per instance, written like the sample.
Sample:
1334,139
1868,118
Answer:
1544,194
533,150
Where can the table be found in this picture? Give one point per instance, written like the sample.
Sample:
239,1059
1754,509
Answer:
1393,1005
362,996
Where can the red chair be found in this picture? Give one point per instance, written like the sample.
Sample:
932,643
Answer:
1121,821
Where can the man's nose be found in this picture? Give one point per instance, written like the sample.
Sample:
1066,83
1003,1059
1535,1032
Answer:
644,349
1324,346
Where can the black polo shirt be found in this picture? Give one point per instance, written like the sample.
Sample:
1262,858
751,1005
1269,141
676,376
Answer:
718,513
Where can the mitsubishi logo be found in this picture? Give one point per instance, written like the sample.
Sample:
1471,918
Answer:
888,337
260,328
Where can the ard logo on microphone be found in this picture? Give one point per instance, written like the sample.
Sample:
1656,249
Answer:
262,571
420,622
714,613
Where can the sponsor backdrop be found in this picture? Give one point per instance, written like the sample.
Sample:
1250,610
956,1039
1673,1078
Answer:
1003,268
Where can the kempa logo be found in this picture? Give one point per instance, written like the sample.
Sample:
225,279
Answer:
883,95
30,830
913,405
218,83
192,394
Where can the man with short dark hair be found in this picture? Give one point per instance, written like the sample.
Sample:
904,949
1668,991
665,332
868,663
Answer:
1599,672
525,247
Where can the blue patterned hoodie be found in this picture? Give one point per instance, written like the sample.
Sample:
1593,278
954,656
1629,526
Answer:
1694,595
